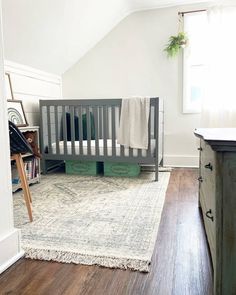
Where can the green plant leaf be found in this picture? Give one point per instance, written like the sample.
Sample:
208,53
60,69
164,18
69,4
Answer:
175,44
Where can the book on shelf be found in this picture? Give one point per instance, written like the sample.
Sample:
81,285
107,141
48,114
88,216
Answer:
14,175
31,166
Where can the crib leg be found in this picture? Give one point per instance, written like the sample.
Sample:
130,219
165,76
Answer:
44,167
161,163
156,172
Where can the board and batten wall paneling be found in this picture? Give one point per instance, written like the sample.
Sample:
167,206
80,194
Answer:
30,85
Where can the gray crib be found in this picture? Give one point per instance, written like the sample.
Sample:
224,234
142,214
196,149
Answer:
86,129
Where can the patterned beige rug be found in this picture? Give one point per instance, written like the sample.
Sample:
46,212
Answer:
105,221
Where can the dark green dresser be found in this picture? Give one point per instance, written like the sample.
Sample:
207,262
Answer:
217,199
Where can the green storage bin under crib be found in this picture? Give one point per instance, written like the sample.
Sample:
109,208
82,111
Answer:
83,167
121,169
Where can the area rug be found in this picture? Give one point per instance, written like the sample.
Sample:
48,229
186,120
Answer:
106,221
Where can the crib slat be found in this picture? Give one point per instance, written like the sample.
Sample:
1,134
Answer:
113,131
139,153
149,135
72,129
49,131
122,151
152,113
56,129
64,130
88,125
121,147
156,120
95,113
155,127
76,131
42,131
100,123
105,127
81,152
131,152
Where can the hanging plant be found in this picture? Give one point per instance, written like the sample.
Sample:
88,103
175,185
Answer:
175,44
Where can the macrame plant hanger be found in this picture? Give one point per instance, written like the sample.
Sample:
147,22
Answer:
183,40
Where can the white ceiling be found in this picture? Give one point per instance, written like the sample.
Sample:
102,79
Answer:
52,35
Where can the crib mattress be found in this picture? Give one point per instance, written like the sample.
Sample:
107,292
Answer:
101,148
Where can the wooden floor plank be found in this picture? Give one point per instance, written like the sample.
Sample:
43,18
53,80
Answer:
180,262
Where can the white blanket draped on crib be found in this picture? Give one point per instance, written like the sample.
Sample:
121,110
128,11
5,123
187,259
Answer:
133,129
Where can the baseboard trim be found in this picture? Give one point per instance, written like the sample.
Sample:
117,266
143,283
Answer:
11,261
181,161
10,250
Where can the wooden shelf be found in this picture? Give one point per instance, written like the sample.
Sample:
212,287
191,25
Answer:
17,186
27,158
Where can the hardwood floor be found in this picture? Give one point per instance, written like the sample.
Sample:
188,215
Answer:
180,263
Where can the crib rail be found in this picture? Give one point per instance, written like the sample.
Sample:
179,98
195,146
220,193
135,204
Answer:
86,129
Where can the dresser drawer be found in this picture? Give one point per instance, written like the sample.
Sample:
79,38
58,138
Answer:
208,175
207,194
209,220
208,161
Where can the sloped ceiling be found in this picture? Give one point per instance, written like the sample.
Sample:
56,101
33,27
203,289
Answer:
52,35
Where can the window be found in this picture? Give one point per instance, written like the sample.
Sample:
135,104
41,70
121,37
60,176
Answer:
194,61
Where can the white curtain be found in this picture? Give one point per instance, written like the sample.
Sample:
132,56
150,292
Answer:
219,105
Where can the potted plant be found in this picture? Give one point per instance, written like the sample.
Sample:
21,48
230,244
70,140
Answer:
175,44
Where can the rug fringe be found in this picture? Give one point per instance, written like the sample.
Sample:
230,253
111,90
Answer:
79,258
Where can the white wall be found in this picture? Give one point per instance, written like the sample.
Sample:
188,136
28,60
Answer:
30,85
53,35
130,61
9,236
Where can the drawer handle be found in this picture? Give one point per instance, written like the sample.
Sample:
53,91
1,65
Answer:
209,166
200,148
209,215
200,179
